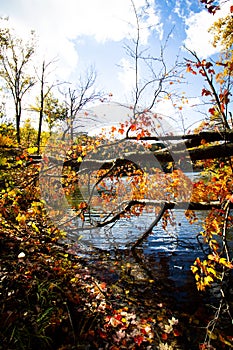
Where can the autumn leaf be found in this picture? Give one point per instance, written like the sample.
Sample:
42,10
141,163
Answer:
212,110
164,336
114,322
102,334
189,69
176,332
133,127
138,340
206,92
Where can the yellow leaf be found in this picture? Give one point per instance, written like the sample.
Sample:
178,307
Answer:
32,150
212,271
194,269
222,261
35,227
212,335
208,280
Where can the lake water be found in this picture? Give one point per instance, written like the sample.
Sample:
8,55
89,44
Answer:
168,253
127,230
165,257
178,244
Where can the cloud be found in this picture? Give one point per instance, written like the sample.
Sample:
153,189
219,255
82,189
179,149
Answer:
60,23
126,76
197,36
165,107
182,7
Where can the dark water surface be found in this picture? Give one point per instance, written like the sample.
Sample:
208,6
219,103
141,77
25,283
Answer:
165,256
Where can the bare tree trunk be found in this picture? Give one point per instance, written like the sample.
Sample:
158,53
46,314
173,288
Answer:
41,108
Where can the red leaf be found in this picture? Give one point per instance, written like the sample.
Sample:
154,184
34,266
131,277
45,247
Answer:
206,92
176,333
138,340
208,65
212,110
118,317
102,334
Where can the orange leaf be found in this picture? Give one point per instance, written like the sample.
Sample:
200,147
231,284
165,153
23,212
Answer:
133,127
103,285
189,69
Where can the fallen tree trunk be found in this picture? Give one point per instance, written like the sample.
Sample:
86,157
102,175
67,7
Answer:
192,140
198,153
162,156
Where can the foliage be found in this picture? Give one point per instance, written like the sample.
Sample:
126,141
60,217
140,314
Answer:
218,260
7,133
15,56
54,298
49,299
215,270
219,93
28,134
222,31
53,110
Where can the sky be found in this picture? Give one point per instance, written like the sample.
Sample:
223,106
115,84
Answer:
93,33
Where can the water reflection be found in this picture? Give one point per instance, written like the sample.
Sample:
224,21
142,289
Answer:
166,256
